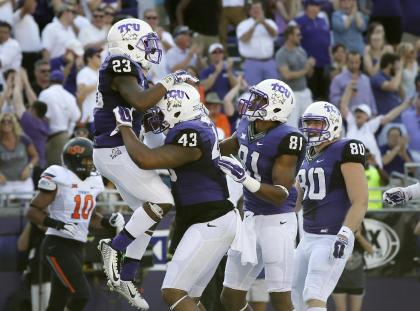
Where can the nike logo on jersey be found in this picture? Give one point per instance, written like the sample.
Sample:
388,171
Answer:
319,161
131,293
283,222
210,225
259,144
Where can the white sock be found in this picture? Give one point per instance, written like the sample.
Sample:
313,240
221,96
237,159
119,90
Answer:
139,222
316,309
137,248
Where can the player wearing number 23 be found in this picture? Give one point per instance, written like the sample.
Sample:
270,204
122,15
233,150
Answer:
332,189
270,153
206,221
65,205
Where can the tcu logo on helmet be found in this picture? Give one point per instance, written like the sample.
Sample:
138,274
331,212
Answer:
176,94
281,89
129,31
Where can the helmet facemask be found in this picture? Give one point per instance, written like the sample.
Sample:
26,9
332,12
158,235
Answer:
149,44
255,106
155,119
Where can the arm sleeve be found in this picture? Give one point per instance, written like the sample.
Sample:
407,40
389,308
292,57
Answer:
187,138
293,144
354,151
120,65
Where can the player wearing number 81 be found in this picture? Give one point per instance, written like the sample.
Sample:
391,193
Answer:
332,189
271,153
69,193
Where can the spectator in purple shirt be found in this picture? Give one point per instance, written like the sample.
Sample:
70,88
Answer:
411,16
389,14
219,76
386,84
316,41
395,153
362,91
411,120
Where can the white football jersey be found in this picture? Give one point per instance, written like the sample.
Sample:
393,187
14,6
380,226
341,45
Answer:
75,199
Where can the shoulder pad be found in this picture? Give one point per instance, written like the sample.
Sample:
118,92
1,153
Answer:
353,151
57,175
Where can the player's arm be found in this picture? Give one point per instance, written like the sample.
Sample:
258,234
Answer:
37,212
167,156
133,94
115,221
299,198
229,145
354,176
283,175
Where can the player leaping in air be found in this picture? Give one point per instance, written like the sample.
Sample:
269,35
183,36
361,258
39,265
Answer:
333,191
133,47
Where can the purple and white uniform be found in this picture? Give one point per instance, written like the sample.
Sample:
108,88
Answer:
274,225
325,205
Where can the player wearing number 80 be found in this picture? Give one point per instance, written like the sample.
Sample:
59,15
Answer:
332,189
271,152
69,194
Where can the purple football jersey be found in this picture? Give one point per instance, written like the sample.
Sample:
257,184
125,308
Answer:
258,153
325,200
200,181
107,99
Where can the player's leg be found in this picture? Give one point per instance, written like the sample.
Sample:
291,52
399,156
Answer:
66,260
278,257
299,275
195,261
356,300
340,300
258,296
239,278
323,273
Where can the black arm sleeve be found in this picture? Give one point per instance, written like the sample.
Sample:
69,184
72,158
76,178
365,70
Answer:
354,151
293,144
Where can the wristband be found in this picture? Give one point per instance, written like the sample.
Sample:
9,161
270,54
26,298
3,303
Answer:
346,232
167,82
284,189
53,223
105,223
251,184
413,191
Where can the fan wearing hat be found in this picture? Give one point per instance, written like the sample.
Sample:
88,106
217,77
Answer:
218,76
214,105
362,126
69,63
184,53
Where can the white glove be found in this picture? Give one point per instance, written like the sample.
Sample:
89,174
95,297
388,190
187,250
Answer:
233,168
70,229
177,77
341,242
123,117
117,220
396,196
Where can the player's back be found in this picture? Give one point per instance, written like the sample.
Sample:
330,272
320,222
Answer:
107,99
200,181
325,199
74,201
258,152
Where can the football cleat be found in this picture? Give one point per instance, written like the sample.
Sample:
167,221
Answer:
110,261
130,292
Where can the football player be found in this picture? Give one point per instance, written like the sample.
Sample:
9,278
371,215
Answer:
133,47
333,192
206,220
401,195
270,153
65,205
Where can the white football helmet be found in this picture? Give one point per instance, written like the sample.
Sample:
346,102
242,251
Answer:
332,123
270,100
136,39
181,103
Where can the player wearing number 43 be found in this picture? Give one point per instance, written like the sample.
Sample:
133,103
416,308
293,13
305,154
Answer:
65,205
333,191
270,154
133,47
206,221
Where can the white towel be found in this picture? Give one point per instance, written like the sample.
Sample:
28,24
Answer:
245,241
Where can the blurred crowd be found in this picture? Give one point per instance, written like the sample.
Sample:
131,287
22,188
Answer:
360,55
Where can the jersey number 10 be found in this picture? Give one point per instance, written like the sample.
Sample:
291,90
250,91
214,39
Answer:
88,205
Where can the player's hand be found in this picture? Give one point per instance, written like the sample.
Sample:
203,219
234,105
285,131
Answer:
233,168
396,196
117,220
341,243
123,117
177,77
70,229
